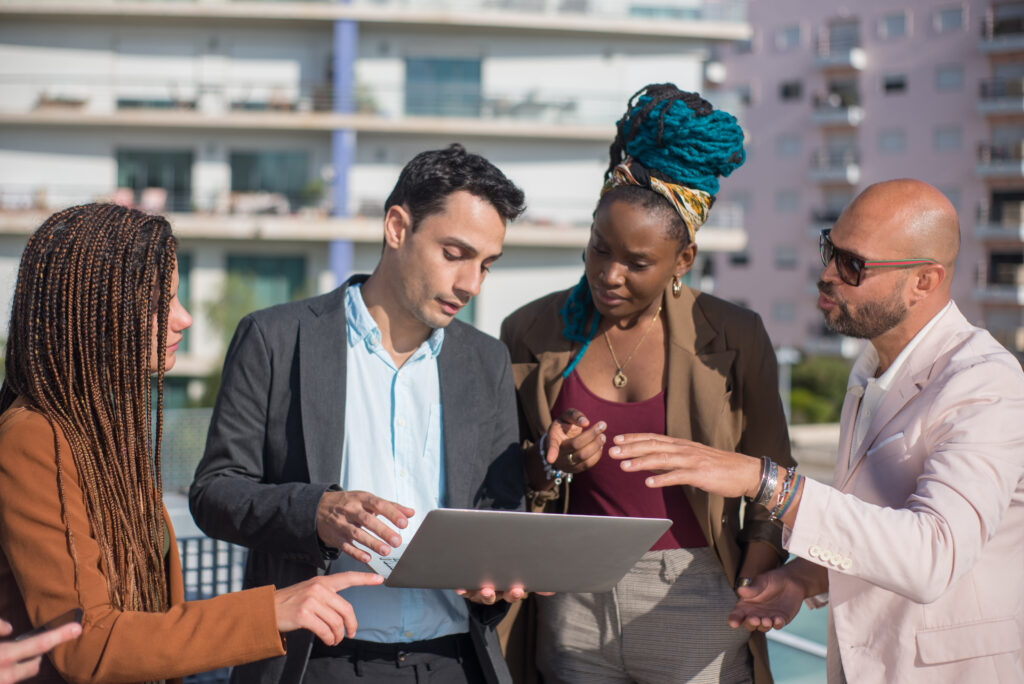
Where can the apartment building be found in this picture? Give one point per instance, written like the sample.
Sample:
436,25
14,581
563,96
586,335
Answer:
843,95
272,131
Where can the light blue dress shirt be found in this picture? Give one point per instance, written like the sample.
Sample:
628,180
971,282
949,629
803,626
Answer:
394,449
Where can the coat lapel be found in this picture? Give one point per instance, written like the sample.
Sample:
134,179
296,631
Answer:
322,356
850,405
461,399
912,378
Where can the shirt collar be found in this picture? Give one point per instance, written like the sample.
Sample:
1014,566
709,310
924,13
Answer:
363,329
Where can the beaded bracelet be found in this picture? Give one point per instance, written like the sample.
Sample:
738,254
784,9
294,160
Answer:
784,492
550,472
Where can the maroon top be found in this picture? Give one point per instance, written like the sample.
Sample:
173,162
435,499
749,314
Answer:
606,489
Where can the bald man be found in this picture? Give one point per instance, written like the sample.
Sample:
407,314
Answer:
919,547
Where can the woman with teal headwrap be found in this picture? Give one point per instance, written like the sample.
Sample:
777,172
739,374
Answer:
631,348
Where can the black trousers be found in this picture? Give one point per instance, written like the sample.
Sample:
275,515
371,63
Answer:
445,660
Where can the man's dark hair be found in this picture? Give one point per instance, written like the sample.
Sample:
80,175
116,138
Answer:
428,179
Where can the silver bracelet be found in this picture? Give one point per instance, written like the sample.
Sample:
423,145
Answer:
764,481
770,479
784,492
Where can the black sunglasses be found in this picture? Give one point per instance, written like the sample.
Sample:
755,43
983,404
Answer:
851,267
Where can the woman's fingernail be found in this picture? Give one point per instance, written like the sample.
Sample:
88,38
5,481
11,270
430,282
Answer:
649,482
618,438
615,451
626,465
604,439
601,426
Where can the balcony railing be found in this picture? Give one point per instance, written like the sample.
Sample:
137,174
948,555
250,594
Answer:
835,109
96,96
1001,96
845,53
733,11
836,166
1001,160
1000,221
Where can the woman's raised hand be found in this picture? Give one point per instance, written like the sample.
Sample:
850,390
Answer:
20,659
573,444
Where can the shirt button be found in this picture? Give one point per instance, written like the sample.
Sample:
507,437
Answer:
401,422
408,634
403,473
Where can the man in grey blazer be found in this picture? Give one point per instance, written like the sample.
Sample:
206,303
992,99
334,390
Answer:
342,419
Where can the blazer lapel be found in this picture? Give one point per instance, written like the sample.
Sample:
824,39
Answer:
322,355
696,371
850,405
461,399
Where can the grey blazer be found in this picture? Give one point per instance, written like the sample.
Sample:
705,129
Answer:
275,446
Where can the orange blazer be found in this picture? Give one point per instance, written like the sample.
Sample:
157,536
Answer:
37,581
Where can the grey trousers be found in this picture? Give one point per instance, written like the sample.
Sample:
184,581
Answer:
666,621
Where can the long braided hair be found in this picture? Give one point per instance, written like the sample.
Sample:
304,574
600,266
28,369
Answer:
91,279
670,135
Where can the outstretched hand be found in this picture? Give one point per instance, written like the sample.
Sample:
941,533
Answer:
346,517
315,605
770,602
677,461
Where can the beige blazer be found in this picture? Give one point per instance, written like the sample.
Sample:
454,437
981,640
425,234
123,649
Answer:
722,391
924,534
39,581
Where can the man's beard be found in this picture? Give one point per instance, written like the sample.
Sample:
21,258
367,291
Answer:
872,320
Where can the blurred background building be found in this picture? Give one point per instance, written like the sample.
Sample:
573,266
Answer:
273,131
840,95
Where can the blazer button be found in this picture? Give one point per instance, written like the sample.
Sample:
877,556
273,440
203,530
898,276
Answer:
825,555
814,551
846,564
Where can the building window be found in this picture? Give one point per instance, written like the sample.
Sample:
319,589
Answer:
787,201
784,312
892,140
949,77
894,84
787,37
892,26
739,259
263,281
947,139
442,87
161,179
788,145
790,90
282,174
949,19
744,94
785,257
744,47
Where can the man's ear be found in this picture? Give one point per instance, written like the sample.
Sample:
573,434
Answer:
928,281
397,224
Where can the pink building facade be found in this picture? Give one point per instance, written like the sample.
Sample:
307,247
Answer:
841,96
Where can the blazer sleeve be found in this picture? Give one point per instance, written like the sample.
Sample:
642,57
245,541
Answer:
115,646
230,497
972,438
765,432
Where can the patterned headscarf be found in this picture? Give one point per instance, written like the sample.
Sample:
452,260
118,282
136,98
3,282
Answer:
691,204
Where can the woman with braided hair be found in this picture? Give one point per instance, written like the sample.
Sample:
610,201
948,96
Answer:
631,349
95,324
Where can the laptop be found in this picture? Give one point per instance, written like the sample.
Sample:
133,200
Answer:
467,549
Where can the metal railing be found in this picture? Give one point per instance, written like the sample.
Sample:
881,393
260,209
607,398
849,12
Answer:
993,28
834,159
999,88
989,152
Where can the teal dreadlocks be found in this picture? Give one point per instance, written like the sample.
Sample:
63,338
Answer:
701,144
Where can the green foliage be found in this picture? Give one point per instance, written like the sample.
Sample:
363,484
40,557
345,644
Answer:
818,386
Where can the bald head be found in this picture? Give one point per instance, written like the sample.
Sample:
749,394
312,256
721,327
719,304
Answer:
913,218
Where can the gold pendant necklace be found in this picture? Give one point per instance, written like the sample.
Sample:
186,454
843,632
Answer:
620,379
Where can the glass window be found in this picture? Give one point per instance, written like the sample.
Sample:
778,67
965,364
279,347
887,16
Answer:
285,173
266,280
892,25
787,37
947,138
161,179
739,259
892,140
949,20
185,292
894,84
442,87
949,77
785,257
790,90
843,36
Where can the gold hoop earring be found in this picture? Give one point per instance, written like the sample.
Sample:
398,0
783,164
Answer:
677,287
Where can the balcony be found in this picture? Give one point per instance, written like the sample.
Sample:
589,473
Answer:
834,110
701,19
1001,284
835,167
839,55
1011,338
1001,97
1001,35
396,108
1000,223
1001,161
